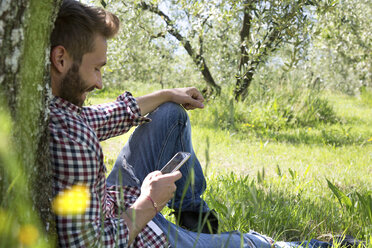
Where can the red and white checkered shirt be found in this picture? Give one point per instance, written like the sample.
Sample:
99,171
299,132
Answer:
77,159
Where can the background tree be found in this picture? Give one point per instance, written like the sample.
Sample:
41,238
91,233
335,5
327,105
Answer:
149,28
25,28
266,26
133,54
226,40
341,53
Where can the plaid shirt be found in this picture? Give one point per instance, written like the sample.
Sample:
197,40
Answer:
77,159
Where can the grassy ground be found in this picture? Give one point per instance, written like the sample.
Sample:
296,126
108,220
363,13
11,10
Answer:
275,180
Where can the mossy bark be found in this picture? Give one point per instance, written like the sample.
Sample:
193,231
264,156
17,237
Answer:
25,28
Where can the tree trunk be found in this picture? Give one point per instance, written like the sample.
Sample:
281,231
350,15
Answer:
25,28
245,78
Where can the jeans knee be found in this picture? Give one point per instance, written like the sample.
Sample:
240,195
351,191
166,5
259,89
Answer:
173,112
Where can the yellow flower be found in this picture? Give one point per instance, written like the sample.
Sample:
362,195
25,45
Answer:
72,201
309,129
28,234
370,139
248,125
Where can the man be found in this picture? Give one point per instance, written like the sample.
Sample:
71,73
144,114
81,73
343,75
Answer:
124,210
77,56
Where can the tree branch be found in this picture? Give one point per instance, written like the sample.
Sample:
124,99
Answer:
197,58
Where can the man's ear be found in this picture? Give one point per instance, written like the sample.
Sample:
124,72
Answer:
60,59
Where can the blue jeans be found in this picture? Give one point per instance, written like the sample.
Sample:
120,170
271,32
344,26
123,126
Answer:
148,149
152,145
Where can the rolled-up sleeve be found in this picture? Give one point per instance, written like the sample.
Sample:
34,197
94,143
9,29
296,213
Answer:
115,118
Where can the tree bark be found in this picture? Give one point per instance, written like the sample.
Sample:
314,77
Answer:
25,28
245,78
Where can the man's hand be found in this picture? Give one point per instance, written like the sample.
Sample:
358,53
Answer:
190,98
160,187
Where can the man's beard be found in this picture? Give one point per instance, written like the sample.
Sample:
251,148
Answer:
73,86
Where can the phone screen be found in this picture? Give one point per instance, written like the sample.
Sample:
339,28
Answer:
176,162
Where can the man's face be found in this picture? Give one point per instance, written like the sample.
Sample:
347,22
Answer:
80,80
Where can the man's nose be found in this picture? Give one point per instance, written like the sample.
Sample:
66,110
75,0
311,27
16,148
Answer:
99,83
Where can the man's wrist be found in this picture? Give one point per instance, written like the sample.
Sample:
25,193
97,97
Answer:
139,214
166,95
154,204
144,204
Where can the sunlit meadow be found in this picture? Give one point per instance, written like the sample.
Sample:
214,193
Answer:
291,183
288,181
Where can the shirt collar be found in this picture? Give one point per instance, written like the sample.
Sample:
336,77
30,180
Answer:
66,105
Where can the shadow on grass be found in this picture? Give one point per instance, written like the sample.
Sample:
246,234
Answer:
333,136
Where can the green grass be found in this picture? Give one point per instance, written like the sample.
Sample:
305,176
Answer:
273,178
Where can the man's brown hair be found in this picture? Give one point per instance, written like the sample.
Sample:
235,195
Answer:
77,26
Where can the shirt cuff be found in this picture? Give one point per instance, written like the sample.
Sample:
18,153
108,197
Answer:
132,108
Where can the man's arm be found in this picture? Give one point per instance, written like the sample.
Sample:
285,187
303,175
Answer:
190,98
114,118
160,188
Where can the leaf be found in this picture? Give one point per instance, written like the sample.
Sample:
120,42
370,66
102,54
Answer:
341,196
366,204
307,170
278,171
256,14
293,173
221,208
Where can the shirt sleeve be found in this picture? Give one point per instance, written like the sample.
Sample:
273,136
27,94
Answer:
113,119
77,159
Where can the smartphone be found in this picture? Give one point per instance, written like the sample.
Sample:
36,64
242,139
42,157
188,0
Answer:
176,162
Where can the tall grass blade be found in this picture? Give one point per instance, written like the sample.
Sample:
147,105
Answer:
341,196
366,205
278,170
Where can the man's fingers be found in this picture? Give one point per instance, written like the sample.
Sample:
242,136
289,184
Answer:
193,104
198,97
154,174
174,176
188,107
190,98
195,94
197,104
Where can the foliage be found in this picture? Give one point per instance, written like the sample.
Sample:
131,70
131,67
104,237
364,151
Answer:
327,40
341,53
357,205
137,54
366,96
282,104
158,36
282,213
266,26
